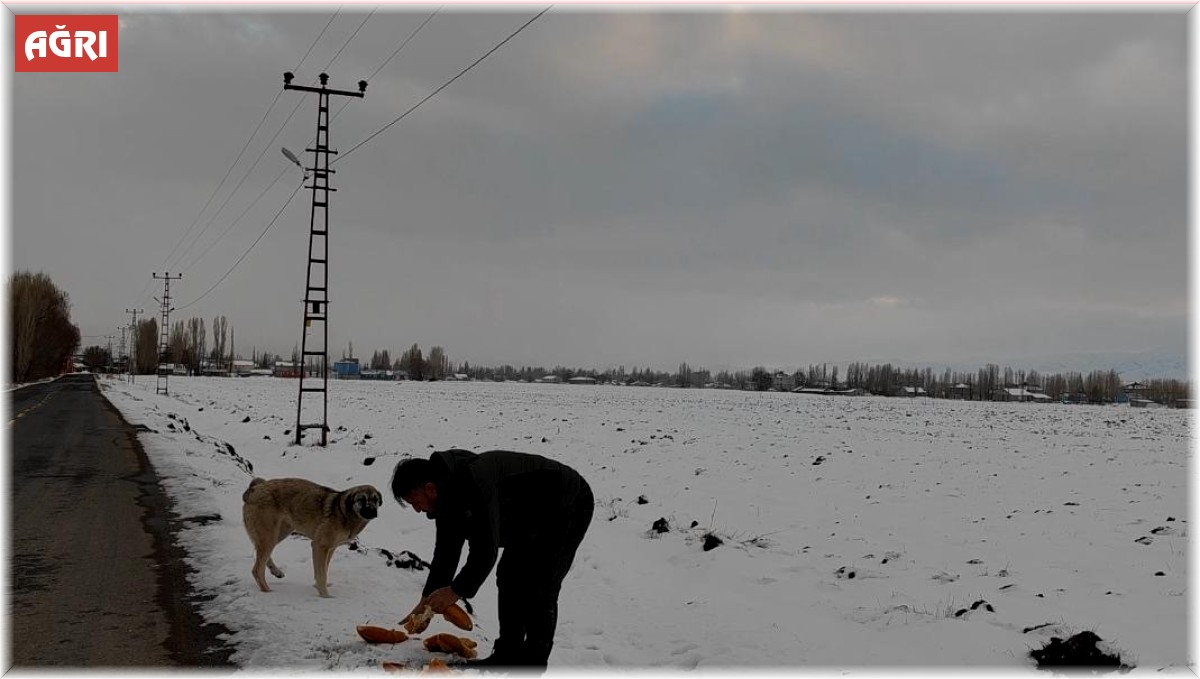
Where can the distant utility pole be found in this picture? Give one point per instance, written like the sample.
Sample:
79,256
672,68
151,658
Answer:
133,333
121,352
163,370
316,283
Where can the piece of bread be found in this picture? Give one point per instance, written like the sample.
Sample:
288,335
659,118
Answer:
417,622
448,643
458,617
381,635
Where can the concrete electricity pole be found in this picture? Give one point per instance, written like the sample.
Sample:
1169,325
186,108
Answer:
316,284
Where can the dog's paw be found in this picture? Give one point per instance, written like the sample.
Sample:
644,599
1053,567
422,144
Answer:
277,572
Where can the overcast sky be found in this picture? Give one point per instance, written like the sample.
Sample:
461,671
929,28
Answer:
728,188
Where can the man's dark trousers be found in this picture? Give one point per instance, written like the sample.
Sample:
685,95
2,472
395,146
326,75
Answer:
528,580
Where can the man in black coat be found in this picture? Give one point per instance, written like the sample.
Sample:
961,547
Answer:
537,509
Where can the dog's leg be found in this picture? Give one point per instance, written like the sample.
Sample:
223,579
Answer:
329,560
320,557
262,555
282,534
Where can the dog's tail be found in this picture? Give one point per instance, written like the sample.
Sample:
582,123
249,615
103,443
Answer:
253,482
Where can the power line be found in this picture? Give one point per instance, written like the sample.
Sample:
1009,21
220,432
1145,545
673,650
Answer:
393,56
314,43
238,220
347,43
246,175
247,252
444,86
354,148
244,147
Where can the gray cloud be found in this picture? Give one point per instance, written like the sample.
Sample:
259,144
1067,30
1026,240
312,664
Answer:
641,188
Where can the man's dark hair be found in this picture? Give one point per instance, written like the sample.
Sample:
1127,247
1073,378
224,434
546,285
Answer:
410,473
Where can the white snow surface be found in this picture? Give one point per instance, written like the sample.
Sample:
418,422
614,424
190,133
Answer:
858,533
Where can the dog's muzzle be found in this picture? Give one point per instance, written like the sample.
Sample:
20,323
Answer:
368,512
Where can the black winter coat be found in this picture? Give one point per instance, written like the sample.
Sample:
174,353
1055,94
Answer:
492,500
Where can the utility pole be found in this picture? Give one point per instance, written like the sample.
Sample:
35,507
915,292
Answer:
122,350
164,371
316,283
133,333
110,359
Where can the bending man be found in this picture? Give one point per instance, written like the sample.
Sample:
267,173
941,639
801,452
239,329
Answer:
537,509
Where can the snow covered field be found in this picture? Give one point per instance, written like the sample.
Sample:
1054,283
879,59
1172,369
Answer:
858,532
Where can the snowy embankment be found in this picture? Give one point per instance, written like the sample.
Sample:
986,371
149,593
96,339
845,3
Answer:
856,531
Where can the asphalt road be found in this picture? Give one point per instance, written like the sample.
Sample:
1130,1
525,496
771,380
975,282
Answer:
96,579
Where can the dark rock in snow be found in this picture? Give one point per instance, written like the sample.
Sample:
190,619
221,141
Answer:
642,500
245,419
712,542
367,462
1079,651
986,606
661,526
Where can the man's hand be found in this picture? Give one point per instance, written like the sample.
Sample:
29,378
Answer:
440,599
416,621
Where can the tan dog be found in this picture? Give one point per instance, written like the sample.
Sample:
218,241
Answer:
274,509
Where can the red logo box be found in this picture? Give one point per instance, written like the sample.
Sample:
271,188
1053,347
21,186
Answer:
58,43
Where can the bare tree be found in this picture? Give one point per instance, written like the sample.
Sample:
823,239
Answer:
220,331
147,346
439,364
42,338
413,362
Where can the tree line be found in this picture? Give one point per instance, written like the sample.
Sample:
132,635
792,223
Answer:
1097,386
43,341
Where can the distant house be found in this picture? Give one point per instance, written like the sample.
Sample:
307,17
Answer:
172,369
1134,391
211,369
1020,395
582,379
377,375
961,392
549,379
347,369
242,368
910,392
782,381
285,369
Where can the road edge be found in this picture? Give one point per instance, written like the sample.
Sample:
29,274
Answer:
191,641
